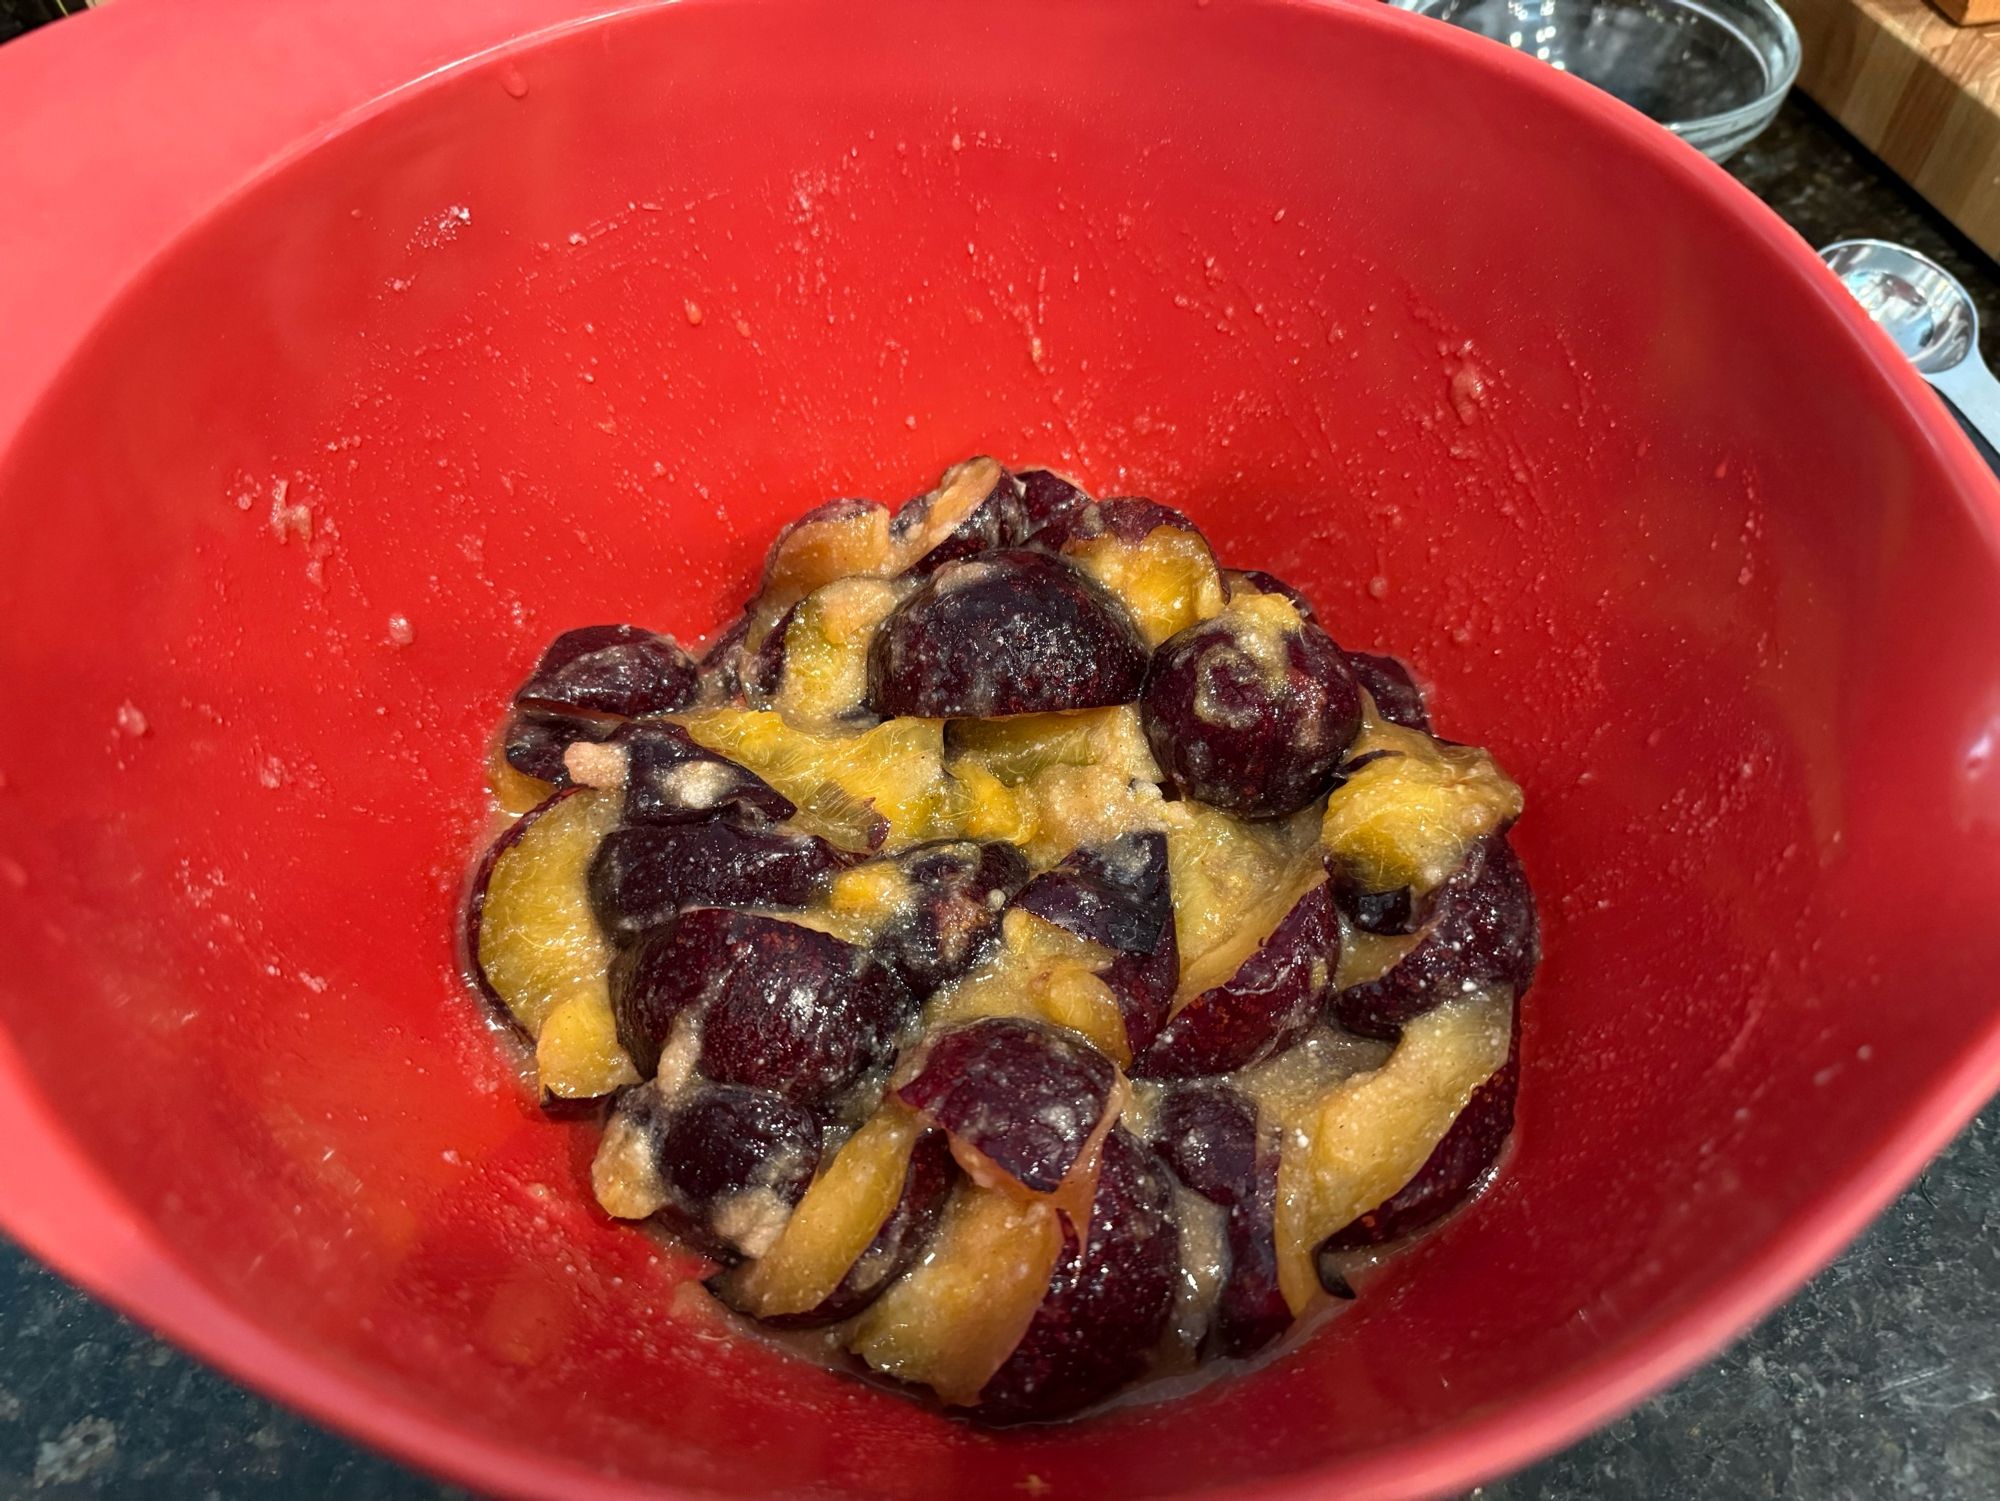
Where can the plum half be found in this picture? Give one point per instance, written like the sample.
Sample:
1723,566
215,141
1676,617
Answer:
610,669
1148,557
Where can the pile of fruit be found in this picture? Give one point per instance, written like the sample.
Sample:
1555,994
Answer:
1021,947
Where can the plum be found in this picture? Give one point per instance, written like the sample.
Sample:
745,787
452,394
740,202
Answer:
858,1228
1208,1134
1397,697
1271,998
1251,711
1020,1099
1244,582
781,1007
672,778
1019,749
1483,933
1009,632
533,744
1116,895
1109,1299
643,874
1409,810
761,665
577,1056
610,669
1363,1140
719,1164
819,677
975,508
1049,501
531,938
1149,557
958,891
720,671
1452,1171
839,539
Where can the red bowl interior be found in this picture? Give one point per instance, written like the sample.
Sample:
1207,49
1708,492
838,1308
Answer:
1511,382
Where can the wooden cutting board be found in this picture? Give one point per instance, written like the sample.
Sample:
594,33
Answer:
1920,92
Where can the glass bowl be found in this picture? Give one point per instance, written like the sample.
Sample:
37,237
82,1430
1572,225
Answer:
1712,71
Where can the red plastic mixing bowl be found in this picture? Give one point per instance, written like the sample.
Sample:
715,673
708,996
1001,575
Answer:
321,315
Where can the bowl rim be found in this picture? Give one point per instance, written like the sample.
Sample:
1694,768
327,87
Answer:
297,74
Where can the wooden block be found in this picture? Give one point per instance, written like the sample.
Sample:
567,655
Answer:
1970,12
1919,91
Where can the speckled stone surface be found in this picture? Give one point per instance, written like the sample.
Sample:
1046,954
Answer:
1878,1380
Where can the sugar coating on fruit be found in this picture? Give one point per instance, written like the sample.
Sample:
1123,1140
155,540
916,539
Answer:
1021,951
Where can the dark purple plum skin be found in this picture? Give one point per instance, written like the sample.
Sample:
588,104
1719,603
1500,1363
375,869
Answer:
534,743
1008,632
1483,932
827,510
658,790
1117,895
962,888
720,671
610,669
1264,752
998,520
1048,500
1129,518
1389,683
1256,581
1109,1299
1024,1095
1395,913
719,1140
1452,1171
1208,1135
763,666
644,874
1272,998
1113,894
927,1183
781,1007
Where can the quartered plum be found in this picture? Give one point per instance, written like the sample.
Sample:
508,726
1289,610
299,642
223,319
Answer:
533,744
956,892
858,1228
1253,710
610,669
643,874
1048,500
1452,1171
1009,632
1397,697
719,674
1208,1133
975,508
672,778
817,676
1116,895
1245,582
1023,1102
1482,933
779,1006
720,1164
837,540
1148,557
1272,997
1410,809
1109,1298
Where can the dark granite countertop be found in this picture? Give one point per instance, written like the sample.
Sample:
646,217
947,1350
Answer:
1878,1380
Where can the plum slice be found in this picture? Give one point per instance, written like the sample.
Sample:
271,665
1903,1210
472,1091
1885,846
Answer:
1483,934
1048,501
1019,749
1040,971
720,1165
975,508
1024,1103
1116,895
957,891
1244,582
817,672
1007,632
530,934
865,1218
1365,1138
577,1055
670,777
884,788
1149,557
610,669
1109,1298
1253,710
1397,697
1264,1003
952,1319
533,744
840,539
1411,808
778,1006
643,874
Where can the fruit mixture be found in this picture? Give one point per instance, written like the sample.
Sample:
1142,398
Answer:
1021,949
